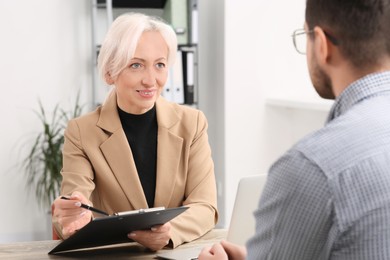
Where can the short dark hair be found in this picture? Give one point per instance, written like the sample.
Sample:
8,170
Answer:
362,27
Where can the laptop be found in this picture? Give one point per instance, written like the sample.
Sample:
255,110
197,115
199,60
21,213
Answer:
242,223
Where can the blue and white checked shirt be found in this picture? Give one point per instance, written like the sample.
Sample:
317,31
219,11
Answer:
328,197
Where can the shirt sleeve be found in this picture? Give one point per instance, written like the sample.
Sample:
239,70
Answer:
295,216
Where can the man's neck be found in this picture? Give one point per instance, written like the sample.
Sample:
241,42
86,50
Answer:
346,74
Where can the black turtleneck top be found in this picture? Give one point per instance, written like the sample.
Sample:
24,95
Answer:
141,133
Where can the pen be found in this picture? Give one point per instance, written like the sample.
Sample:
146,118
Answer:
85,206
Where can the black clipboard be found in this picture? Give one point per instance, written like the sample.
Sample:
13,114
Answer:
114,229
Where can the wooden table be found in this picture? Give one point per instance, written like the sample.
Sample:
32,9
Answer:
39,249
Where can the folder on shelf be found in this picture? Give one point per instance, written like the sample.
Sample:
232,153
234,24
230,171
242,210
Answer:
193,21
177,79
175,13
113,229
174,88
189,75
167,92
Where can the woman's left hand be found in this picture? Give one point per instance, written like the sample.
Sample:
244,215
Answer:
155,238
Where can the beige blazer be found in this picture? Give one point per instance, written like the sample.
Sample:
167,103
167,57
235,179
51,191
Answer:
98,162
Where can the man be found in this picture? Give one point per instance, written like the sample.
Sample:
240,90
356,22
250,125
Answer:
328,197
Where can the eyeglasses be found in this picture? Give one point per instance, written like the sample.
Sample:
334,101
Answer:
300,39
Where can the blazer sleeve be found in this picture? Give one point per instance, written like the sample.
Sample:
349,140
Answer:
200,191
77,172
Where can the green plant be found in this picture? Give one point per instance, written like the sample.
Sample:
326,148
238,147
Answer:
43,163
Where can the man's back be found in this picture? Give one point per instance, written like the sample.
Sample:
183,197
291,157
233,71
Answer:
329,196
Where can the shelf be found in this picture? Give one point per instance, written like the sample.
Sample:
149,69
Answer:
306,104
159,4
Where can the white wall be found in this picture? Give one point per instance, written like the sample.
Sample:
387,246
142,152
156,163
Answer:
211,85
45,52
259,61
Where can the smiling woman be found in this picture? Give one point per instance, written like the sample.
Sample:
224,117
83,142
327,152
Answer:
141,83
138,150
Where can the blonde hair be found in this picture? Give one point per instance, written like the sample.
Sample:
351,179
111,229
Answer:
119,45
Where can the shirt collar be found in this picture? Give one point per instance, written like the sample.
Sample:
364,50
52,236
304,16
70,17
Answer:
366,87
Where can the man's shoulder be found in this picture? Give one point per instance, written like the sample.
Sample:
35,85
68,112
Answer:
352,137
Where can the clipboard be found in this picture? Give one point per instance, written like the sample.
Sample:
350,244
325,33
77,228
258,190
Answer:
114,229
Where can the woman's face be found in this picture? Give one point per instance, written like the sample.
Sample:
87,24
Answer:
141,82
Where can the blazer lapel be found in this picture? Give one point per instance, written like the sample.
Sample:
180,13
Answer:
169,149
118,154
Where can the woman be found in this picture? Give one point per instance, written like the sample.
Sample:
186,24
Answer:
138,150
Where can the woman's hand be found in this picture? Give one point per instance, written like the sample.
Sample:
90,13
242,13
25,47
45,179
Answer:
69,215
154,239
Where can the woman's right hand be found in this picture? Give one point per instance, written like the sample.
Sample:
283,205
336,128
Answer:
69,215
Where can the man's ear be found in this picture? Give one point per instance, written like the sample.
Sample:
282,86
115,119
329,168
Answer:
321,46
